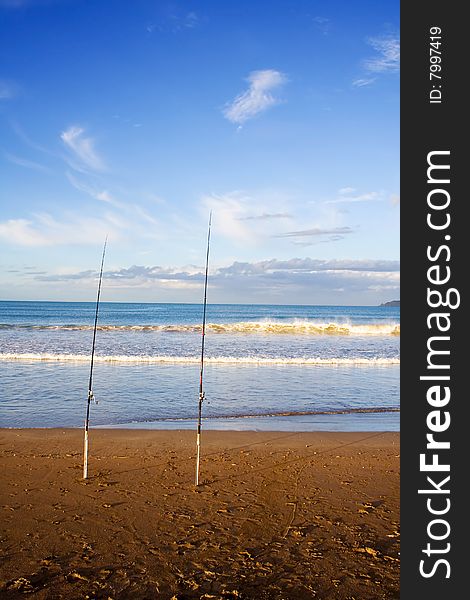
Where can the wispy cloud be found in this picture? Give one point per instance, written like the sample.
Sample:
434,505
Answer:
175,22
28,141
348,195
120,221
317,231
387,58
322,24
132,212
8,90
24,162
266,217
257,98
97,194
259,218
45,230
191,20
245,217
126,121
230,209
82,148
21,232
363,82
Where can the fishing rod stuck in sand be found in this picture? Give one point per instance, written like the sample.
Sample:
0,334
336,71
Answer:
90,382
201,389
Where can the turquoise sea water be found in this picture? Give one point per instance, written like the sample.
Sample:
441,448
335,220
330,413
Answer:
267,366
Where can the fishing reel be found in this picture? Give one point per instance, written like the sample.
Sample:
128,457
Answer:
91,397
202,396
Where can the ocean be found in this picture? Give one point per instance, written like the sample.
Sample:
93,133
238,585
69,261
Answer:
267,367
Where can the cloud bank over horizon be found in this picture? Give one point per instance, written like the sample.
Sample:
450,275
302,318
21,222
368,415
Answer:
293,281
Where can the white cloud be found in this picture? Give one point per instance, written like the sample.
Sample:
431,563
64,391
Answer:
21,232
371,280
247,218
258,218
45,230
388,55
114,218
105,196
82,148
266,217
97,194
229,211
363,82
318,231
387,270
133,212
346,196
257,98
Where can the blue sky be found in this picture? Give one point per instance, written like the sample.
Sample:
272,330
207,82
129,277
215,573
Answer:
135,119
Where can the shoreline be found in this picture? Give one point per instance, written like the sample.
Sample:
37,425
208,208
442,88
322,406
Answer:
347,421
278,515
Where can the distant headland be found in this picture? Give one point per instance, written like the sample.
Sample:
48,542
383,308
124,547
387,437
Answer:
391,303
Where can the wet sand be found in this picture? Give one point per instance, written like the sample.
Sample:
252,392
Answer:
277,515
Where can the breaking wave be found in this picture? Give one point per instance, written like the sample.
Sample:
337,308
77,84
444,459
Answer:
299,327
245,360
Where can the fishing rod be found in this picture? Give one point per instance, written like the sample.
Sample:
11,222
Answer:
202,394
90,381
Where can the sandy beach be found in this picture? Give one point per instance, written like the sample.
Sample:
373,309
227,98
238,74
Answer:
277,515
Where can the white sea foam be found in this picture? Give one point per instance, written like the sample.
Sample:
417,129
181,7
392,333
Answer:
245,360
